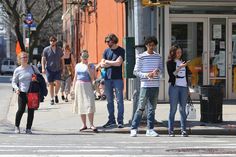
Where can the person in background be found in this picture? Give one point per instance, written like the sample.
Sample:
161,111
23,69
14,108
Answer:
52,65
112,61
99,84
20,82
84,103
67,76
148,67
39,66
178,88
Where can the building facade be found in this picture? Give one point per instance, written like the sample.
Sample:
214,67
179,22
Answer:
87,22
205,29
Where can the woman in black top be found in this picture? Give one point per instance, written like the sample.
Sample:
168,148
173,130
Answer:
178,88
66,78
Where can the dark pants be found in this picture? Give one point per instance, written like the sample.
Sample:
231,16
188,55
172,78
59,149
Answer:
22,101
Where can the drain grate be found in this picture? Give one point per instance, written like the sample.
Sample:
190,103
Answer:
204,150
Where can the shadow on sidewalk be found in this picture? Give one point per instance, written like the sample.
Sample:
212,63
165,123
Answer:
190,124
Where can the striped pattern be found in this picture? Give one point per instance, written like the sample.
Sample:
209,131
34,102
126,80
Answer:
146,63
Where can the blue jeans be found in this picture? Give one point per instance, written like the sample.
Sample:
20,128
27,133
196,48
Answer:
110,87
146,94
177,95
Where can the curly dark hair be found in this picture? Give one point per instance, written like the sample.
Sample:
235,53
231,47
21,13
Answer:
151,39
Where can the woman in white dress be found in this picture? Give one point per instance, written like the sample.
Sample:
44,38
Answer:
84,103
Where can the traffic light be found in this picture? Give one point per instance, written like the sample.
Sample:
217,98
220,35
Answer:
149,3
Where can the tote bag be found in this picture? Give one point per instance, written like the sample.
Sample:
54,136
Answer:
33,100
33,93
190,109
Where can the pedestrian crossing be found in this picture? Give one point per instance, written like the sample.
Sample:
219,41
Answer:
104,145
104,151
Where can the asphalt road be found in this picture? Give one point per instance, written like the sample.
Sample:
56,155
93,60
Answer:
90,144
5,79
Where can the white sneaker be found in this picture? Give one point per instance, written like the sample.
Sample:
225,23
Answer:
133,133
17,130
151,133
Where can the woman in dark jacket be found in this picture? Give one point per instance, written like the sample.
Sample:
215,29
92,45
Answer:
178,88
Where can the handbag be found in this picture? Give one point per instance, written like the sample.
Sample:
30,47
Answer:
190,109
33,100
33,93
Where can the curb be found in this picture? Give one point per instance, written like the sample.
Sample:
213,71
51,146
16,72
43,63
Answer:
162,130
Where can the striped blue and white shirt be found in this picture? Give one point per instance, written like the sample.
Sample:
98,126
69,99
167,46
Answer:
146,63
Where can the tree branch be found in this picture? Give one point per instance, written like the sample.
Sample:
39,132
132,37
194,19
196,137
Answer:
48,15
32,4
14,5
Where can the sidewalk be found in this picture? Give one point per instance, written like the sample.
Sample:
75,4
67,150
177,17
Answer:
59,119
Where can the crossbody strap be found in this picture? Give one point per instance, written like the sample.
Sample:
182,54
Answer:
33,69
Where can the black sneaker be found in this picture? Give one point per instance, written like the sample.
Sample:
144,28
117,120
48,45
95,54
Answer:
56,99
63,97
171,134
184,134
52,102
28,131
66,99
109,124
120,125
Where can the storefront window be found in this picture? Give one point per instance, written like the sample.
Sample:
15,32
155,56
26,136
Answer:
202,9
189,35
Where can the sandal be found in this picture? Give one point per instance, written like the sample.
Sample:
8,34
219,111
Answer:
84,128
94,129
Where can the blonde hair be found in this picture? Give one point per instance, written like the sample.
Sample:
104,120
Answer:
20,55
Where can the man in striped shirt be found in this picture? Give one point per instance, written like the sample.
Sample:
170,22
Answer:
148,68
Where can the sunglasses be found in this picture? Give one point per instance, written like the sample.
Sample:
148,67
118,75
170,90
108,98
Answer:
24,57
53,40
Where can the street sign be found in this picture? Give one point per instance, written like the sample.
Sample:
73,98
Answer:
29,16
28,19
32,26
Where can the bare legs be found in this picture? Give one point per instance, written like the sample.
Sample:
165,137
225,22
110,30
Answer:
90,118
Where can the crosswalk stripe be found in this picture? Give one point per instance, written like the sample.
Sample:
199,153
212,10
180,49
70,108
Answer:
148,155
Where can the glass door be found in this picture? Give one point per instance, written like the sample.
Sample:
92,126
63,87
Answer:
232,59
217,56
191,35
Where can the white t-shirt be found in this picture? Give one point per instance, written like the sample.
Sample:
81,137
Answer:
181,75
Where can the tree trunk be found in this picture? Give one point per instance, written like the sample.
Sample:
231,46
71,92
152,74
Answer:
19,36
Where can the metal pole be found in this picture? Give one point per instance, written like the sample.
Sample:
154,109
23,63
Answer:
29,38
138,33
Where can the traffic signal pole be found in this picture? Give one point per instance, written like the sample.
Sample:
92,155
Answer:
139,47
29,21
